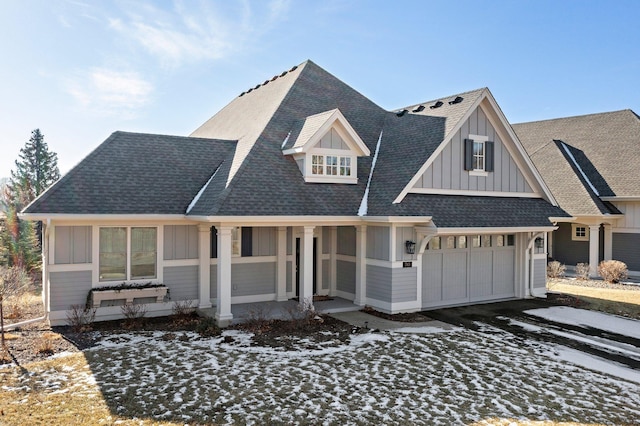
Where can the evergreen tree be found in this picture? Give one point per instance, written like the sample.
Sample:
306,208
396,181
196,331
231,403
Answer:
36,170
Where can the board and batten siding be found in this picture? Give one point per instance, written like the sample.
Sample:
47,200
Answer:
182,282
404,234
631,218
180,242
626,248
249,279
213,281
378,242
72,245
346,276
326,274
447,170
264,241
69,288
346,240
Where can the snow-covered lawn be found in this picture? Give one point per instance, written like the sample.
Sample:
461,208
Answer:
420,376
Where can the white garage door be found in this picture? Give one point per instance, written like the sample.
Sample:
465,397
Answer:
465,269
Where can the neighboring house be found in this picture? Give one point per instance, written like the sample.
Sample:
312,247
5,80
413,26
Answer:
303,186
591,164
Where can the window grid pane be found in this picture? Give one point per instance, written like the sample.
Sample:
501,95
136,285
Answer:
143,253
332,165
478,155
345,166
317,164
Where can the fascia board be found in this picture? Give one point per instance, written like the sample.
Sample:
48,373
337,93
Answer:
102,217
494,230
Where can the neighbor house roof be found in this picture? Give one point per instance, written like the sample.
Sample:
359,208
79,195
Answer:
586,157
135,173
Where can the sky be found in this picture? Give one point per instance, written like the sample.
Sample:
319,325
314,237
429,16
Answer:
79,70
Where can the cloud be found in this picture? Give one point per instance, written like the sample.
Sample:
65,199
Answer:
110,92
199,32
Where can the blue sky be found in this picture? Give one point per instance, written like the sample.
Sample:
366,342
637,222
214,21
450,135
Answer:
80,70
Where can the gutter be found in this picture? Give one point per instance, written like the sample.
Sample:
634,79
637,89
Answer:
45,286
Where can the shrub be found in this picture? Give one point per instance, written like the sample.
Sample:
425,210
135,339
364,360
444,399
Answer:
582,271
45,343
302,314
612,271
555,269
207,327
133,314
183,308
258,318
81,318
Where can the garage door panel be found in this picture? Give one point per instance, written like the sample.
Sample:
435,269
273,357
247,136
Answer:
481,279
454,277
504,273
432,278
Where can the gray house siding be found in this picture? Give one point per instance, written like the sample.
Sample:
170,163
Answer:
326,274
253,278
447,170
289,278
626,248
405,285
72,244
69,288
566,250
264,241
539,273
346,240
379,283
404,234
326,240
213,281
182,282
378,242
346,276
180,242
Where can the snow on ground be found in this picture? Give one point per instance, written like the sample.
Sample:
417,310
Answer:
420,377
585,318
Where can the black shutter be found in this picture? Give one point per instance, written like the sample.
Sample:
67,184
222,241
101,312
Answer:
488,156
247,241
214,242
468,154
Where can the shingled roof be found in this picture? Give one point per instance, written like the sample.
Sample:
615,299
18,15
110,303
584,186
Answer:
586,157
234,165
135,173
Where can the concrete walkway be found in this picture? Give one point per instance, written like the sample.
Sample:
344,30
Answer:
364,320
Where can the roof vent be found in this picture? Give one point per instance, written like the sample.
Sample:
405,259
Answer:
266,82
257,85
241,94
284,73
401,113
420,108
457,100
295,67
274,77
249,91
437,105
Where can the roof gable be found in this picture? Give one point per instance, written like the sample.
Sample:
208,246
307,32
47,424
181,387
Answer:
315,127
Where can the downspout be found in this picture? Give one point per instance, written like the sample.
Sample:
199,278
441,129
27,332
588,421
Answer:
45,282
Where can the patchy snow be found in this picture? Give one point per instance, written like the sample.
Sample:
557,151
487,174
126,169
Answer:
364,204
425,330
593,319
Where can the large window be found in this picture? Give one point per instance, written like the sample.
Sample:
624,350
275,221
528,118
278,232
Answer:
330,165
128,253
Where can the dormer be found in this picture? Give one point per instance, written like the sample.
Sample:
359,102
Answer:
327,148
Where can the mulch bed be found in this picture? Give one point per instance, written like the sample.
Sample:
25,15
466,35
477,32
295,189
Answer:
595,284
406,317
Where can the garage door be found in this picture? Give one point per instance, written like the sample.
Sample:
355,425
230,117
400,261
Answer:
466,269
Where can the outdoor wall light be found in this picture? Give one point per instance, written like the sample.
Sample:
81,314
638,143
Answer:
410,247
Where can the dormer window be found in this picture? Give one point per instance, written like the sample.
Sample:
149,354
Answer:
326,149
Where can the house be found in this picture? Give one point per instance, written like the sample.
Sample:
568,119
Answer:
303,186
591,165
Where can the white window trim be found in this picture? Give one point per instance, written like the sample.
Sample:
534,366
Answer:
128,278
324,177
483,140
574,237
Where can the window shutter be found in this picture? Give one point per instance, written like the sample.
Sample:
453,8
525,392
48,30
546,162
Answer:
468,154
488,153
247,240
214,242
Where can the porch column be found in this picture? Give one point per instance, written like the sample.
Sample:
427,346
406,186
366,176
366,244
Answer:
306,286
333,268
281,280
594,245
223,308
204,289
361,266
608,241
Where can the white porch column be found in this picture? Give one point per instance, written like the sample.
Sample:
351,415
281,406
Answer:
333,262
281,266
608,241
223,308
361,266
204,288
306,286
594,245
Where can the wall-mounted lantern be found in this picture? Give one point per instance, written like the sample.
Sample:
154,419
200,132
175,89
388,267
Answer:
410,247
